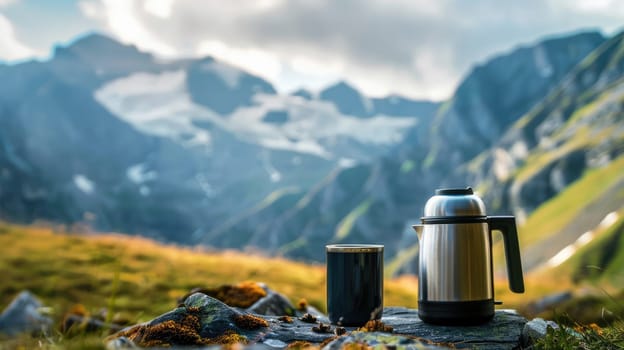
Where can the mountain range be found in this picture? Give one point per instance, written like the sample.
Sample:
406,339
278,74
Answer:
196,151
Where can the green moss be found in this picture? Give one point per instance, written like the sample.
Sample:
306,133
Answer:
579,336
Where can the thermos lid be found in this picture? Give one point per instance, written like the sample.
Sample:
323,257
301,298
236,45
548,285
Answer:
451,203
454,191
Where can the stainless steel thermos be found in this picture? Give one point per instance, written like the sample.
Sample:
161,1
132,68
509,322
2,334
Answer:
456,283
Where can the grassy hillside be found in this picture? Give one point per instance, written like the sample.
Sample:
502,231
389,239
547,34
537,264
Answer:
137,279
141,278
600,261
575,210
560,210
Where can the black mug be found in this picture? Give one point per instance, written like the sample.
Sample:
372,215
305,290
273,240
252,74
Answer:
354,283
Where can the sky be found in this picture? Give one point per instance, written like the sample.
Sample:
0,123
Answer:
415,48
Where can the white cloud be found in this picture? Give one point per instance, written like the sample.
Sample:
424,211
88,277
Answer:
4,3
597,6
414,47
10,47
124,20
264,64
158,8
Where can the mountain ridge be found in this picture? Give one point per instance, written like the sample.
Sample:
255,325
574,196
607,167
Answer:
220,158
115,138
407,177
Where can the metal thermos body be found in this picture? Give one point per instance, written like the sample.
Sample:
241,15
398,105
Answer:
456,283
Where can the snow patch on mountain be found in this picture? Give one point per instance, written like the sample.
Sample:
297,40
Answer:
138,174
274,174
567,252
313,125
160,104
84,184
544,67
230,75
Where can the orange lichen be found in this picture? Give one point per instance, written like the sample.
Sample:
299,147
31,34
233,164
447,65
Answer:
241,295
78,309
327,341
165,334
301,345
191,321
322,328
356,346
234,346
302,305
308,318
229,337
185,332
375,326
74,319
247,321
193,309
286,319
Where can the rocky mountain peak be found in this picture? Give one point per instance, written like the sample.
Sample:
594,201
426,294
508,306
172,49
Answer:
98,49
402,106
497,93
96,58
303,93
347,99
222,87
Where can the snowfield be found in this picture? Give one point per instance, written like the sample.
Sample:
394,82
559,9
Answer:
160,104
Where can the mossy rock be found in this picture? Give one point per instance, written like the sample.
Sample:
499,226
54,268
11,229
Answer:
242,295
200,320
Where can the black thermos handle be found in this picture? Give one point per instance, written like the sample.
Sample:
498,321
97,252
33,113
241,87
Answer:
507,226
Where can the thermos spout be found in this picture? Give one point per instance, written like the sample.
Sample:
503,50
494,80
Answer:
419,230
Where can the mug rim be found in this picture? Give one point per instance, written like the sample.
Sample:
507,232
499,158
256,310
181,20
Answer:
354,248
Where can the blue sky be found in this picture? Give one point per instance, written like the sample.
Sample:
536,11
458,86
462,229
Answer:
417,48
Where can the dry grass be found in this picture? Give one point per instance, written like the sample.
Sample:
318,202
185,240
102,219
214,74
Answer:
137,279
141,278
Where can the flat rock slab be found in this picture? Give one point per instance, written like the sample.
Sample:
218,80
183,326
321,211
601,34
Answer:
385,340
202,317
502,332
